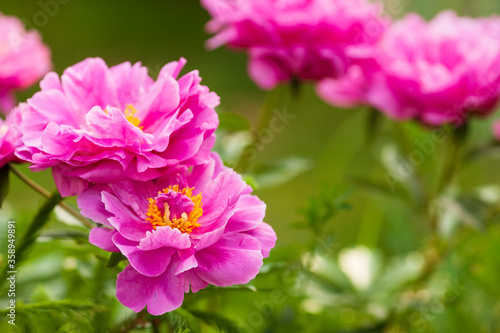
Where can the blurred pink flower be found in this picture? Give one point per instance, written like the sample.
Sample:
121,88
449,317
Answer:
496,129
24,59
302,39
181,232
10,138
437,72
102,125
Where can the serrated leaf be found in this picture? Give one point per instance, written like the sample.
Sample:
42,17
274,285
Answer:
187,330
4,183
233,122
60,306
181,319
114,259
224,324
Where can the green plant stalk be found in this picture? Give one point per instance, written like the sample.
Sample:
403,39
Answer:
28,181
265,116
406,147
29,237
437,250
451,167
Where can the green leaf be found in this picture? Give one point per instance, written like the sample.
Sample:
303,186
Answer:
380,189
277,173
187,330
114,259
490,150
181,319
322,208
224,324
233,122
60,307
467,209
26,241
4,183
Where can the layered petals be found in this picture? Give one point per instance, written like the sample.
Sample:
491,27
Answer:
444,71
101,125
160,294
10,138
180,233
303,40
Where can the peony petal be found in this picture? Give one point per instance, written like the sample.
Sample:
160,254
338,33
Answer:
68,186
265,234
160,294
193,281
249,213
89,84
187,261
102,237
92,207
234,259
149,263
165,237
124,220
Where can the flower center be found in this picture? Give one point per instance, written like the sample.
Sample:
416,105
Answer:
130,113
177,209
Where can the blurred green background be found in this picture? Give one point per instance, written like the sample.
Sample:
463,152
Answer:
331,143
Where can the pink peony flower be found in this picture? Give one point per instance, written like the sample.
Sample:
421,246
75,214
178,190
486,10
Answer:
437,72
181,232
303,39
10,138
102,125
24,59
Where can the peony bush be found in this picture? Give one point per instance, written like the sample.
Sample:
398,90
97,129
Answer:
192,213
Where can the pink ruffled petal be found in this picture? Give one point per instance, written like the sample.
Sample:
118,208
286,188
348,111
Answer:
249,214
160,294
102,237
149,263
234,259
265,234
92,207
124,220
165,237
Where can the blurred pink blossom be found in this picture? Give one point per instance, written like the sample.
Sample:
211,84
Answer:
438,72
295,39
24,59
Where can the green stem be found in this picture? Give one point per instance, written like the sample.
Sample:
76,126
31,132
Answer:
438,250
452,164
45,193
29,237
421,191
155,326
265,116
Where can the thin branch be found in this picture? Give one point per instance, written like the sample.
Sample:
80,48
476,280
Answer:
46,194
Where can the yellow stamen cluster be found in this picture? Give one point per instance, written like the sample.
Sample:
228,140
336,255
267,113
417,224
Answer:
130,113
186,223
